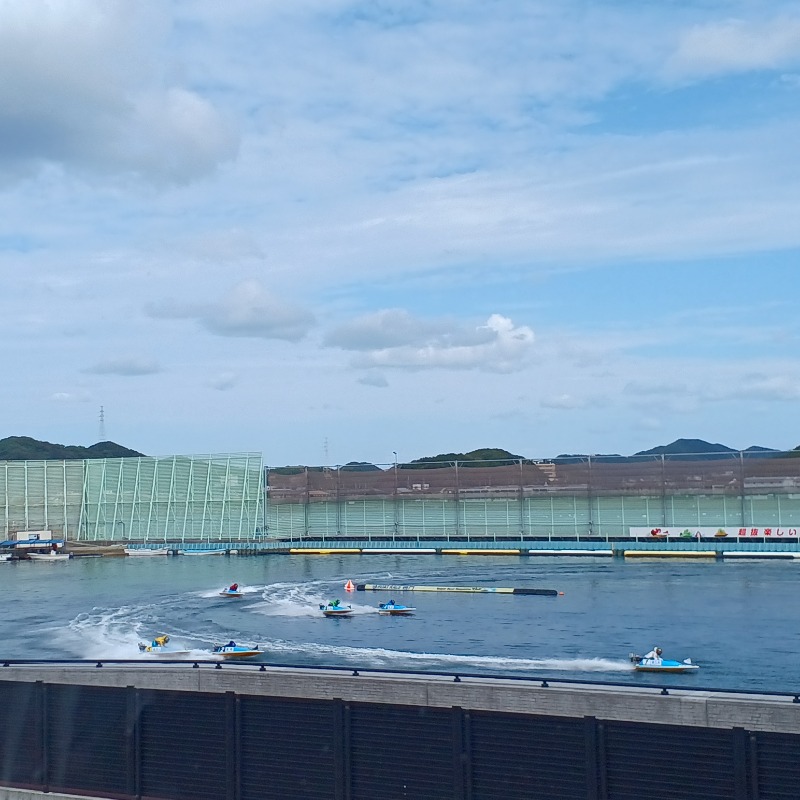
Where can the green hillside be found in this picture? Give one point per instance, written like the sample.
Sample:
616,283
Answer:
23,448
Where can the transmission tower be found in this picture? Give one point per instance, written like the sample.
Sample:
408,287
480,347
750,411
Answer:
102,425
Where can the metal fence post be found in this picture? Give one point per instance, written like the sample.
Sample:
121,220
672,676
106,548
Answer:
458,503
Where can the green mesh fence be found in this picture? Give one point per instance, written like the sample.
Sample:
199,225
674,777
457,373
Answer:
180,498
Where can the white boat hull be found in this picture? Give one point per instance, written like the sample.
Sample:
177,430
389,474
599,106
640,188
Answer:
160,653
644,664
146,551
237,651
48,556
395,611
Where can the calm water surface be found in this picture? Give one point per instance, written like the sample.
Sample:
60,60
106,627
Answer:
739,621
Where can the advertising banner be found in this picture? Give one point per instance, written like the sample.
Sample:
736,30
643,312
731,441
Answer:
678,532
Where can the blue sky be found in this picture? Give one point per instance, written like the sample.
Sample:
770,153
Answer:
328,230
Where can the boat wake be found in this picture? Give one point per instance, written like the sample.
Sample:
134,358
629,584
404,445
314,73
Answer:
115,634
215,592
303,600
399,659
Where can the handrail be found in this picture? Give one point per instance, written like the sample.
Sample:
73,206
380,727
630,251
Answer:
458,677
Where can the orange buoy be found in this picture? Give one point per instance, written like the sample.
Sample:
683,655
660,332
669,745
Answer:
348,587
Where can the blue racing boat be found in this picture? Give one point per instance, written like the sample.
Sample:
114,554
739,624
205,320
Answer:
233,650
652,662
231,591
159,647
390,608
334,608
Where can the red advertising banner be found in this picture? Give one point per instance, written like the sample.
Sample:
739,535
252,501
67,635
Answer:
765,532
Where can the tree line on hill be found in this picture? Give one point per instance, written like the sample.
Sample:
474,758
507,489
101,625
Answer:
685,449
24,448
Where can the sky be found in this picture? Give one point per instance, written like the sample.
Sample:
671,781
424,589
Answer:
361,230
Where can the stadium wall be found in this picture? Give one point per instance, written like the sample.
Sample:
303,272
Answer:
177,498
231,497
576,498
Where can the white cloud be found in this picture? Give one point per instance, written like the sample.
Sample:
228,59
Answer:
785,388
129,366
71,397
224,381
438,157
563,402
395,327
657,388
737,45
246,311
497,346
85,86
374,378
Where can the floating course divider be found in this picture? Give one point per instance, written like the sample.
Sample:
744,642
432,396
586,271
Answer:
670,553
388,587
485,552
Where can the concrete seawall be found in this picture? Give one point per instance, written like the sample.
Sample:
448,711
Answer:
706,709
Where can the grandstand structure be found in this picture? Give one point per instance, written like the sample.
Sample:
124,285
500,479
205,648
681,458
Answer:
234,498
575,497
214,498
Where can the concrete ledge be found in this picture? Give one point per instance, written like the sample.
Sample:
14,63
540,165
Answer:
633,704
8,793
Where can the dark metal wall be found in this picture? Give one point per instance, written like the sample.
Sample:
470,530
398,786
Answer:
132,743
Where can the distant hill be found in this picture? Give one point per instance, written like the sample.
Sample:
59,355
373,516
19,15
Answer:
23,448
495,456
576,458
360,466
701,450
680,449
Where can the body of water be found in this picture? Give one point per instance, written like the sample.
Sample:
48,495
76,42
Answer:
739,621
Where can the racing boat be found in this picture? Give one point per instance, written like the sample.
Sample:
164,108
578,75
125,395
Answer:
645,664
231,591
233,650
395,609
158,647
335,609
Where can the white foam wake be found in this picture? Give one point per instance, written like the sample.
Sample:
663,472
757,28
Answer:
383,657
